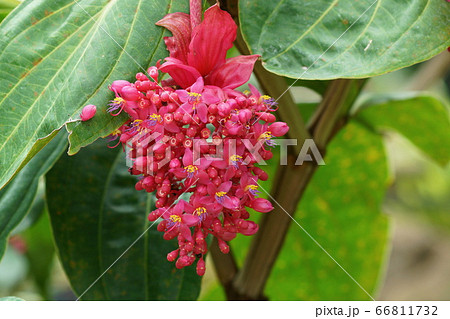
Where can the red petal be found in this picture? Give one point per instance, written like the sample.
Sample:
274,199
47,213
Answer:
183,75
211,40
189,220
235,72
180,25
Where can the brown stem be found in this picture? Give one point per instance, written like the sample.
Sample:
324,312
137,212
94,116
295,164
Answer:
226,268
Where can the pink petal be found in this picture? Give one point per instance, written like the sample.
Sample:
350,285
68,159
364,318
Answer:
180,25
224,187
235,72
172,127
183,95
211,189
186,232
189,220
183,75
213,94
202,112
187,157
186,108
211,40
254,91
197,87
178,209
188,208
231,203
179,172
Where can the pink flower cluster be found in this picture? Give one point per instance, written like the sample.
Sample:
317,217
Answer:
194,139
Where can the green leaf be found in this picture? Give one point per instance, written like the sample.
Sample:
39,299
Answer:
422,119
58,56
40,253
341,210
317,86
11,298
328,39
6,6
96,214
17,197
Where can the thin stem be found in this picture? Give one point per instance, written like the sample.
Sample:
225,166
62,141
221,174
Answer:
226,268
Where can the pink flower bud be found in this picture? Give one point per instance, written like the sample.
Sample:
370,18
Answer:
201,268
173,255
153,72
117,86
130,93
245,115
223,246
88,112
261,205
278,128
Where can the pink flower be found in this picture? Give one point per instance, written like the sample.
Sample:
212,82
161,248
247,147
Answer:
178,223
192,170
201,50
199,103
222,196
88,112
194,100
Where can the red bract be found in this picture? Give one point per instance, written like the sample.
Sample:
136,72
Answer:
195,136
201,50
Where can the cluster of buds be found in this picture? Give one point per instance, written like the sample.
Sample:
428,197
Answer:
195,140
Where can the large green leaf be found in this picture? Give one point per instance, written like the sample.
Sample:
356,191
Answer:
422,119
341,210
6,6
96,214
343,39
40,253
17,197
57,56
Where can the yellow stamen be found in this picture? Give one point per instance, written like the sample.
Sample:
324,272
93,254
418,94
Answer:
221,194
194,97
155,117
175,218
235,158
267,136
118,100
116,132
191,168
200,210
252,187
